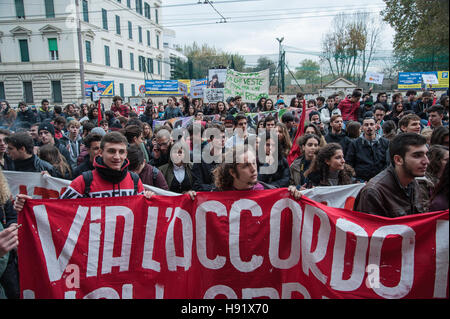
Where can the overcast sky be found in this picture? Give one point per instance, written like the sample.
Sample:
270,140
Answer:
253,25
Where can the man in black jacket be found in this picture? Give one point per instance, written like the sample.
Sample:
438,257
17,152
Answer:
368,154
394,192
337,134
25,117
202,172
20,150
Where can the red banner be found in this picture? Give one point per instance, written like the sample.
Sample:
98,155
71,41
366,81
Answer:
255,244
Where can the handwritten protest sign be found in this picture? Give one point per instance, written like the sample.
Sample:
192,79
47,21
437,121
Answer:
213,95
250,86
373,77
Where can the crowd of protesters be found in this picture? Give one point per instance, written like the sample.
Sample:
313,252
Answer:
398,148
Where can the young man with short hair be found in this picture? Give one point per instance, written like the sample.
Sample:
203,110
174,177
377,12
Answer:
20,150
118,108
240,131
110,178
92,144
410,123
336,134
44,113
394,192
368,153
435,116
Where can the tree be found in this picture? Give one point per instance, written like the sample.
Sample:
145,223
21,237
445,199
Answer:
309,70
203,58
422,33
350,46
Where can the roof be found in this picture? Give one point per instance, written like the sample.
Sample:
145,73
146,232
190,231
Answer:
340,83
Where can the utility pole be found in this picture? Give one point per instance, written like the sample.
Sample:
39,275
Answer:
280,64
80,51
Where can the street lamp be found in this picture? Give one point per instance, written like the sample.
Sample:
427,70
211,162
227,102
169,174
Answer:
280,69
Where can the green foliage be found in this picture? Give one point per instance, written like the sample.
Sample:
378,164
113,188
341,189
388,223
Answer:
202,58
422,33
309,70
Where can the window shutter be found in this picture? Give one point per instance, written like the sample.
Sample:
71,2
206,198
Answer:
52,44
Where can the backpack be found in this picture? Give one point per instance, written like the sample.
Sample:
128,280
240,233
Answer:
87,176
155,172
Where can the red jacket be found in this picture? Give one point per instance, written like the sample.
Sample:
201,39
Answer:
122,109
101,187
349,109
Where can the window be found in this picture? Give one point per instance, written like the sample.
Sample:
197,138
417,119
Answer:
119,57
130,30
20,9
105,19
159,67
24,55
147,10
148,38
56,92
129,3
53,49
122,90
156,16
117,24
107,56
28,92
157,41
49,9
133,90
131,61
141,64
88,52
150,65
2,91
139,6
140,34
85,11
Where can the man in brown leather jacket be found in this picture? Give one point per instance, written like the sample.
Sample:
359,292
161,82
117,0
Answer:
394,192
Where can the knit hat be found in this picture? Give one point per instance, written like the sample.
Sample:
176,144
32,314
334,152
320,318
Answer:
46,126
98,130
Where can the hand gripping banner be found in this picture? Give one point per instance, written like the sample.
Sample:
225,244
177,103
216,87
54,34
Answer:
238,244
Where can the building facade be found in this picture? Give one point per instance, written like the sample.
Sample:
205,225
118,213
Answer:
171,54
39,53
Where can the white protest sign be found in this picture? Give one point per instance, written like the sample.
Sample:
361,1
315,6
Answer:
250,86
373,77
430,79
213,95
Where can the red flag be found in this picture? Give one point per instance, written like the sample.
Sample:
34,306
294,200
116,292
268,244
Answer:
295,150
99,116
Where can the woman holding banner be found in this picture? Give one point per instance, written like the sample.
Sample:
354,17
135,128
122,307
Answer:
329,169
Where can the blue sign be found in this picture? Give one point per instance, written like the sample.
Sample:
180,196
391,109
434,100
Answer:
105,88
158,87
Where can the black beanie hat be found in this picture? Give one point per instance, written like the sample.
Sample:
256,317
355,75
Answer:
47,127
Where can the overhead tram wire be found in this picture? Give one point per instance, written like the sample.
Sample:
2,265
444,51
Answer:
121,9
270,19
